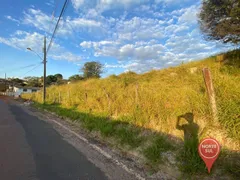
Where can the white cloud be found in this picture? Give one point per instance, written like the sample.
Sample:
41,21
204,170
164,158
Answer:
189,16
22,40
102,5
106,65
140,29
144,55
145,43
79,22
86,44
89,44
140,51
77,3
121,2
68,26
66,56
171,2
38,19
51,3
145,38
175,28
12,19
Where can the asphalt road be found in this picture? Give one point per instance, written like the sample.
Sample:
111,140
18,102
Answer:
32,149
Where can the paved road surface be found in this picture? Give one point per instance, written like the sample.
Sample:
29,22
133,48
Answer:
32,149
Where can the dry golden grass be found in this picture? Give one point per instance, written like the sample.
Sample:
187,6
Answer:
138,113
154,100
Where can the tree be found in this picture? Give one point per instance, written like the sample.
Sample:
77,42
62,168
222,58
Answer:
59,79
75,77
220,20
59,76
51,79
92,69
17,81
33,81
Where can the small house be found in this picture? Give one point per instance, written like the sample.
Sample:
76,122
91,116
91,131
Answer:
17,91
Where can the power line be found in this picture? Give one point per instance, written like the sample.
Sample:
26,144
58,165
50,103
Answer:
48,48
56,6
73,30
55,29
53,14
31,69
20,68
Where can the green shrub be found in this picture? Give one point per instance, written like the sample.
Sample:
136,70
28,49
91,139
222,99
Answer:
154,152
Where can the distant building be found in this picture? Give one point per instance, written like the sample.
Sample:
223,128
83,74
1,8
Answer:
17,91
3,85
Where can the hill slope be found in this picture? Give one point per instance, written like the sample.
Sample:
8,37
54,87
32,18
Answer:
153,101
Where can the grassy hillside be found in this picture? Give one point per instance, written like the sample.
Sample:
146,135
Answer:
153,101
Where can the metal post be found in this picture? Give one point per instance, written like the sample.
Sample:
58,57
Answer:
44,69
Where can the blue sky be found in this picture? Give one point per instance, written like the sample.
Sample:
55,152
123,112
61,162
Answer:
135,35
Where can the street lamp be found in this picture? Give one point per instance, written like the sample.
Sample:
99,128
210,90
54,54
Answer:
35,53
44,59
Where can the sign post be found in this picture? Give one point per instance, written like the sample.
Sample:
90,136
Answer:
209,150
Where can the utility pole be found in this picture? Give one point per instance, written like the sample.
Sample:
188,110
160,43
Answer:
5,82
44,69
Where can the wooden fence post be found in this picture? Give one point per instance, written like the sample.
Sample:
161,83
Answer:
211,93
54,98
59,97
68,95
108,98
136,93
86,96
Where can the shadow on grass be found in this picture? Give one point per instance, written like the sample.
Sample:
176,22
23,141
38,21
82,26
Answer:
125,133
154,143
191,161
232,58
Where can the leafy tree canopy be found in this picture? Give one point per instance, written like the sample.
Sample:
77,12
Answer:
33,81
92,69
220,20
51,79
59,76
75,77
17,80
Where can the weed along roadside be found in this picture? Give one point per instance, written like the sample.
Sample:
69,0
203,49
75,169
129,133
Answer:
160,116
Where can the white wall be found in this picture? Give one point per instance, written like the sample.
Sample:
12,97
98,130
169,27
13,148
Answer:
19,91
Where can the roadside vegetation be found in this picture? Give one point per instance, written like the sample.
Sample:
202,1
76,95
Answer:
138,112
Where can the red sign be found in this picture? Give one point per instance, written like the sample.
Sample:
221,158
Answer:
209,150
